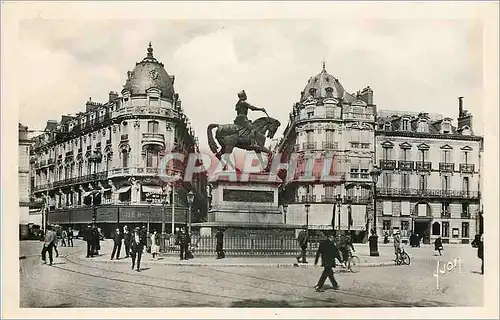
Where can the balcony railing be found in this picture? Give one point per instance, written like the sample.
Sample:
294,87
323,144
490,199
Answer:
466,168
405,165
136,171
423,165
359,175
358,200
309,198
446,167
330,145
309,145
388,164
428,193
153,137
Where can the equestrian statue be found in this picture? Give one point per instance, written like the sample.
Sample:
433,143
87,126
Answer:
243,134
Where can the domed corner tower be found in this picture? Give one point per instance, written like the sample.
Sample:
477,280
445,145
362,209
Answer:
331,134
150,74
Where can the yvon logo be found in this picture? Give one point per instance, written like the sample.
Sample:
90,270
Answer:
447,267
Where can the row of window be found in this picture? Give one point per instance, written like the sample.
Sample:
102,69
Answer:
61,173
423,155
422,181
437,229
153,127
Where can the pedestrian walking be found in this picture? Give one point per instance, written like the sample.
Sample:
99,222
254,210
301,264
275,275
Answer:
219,247
70,237
303,240
64,235
56,241
117,244
48,245
127,235
184,241
155,245
438,246
137,243
87,237
480,252
328,252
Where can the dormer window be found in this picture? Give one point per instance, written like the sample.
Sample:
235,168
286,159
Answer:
423,126
329,92
312,92
446,127
405,125
387,126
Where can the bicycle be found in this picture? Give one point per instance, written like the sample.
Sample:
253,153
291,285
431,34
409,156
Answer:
402,257
352,260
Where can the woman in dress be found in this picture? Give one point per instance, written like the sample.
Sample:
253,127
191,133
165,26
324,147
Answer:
155,245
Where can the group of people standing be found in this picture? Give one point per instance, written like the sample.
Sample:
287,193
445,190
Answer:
92,235
51,241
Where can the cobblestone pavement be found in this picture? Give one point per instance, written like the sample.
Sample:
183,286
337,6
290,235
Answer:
74,281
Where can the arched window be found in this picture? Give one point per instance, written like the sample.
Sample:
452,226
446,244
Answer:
312,92
153,126
125,156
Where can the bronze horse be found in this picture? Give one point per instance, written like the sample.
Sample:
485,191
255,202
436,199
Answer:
229,137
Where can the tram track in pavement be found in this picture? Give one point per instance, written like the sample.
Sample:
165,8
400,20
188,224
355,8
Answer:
374,301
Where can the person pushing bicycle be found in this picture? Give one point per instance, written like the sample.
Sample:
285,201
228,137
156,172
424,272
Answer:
397,244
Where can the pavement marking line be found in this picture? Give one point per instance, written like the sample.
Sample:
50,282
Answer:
140,284
109,290
69,295
339,291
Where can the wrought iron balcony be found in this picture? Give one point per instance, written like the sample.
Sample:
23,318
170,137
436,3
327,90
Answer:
427,193
423,165
466,168
405,165
446,167
358,200
330,145
309,198
388,164
309,145
328,198
153,137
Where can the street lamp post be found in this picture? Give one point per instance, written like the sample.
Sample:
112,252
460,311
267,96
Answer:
339,204
190,199
307,205
373,239
285,208
150,201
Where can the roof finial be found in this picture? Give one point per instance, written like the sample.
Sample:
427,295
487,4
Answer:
324,65
150,50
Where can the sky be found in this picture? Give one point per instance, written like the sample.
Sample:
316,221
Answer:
412,65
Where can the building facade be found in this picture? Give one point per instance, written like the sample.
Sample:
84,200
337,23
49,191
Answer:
430,175
329,131
28,217
114,152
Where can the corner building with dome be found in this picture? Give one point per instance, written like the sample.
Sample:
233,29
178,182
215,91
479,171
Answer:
330,123
115,149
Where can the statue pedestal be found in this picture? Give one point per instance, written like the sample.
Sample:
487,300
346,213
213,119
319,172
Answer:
247,202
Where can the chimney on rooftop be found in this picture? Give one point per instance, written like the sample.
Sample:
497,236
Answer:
460,106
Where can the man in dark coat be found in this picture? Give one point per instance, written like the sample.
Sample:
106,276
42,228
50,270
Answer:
117,244
95,240
70,237
137,242
184,241
127,235
87,237
219,236
329,253
480,252
303,240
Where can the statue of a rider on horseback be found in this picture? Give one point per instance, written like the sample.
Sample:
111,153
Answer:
243,134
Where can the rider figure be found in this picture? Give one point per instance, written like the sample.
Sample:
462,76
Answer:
241,119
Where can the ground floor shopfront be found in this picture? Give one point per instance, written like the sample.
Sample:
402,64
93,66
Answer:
454,222
110,216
